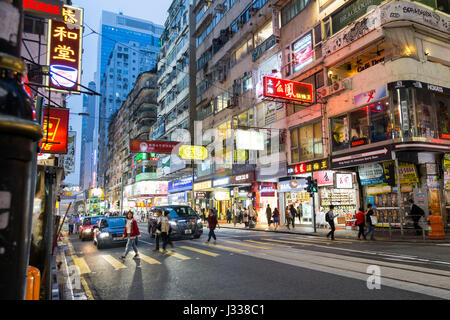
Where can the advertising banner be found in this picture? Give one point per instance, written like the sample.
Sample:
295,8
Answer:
64,50
361,157
369,96
303,52
324,178
56,128
407,172
344,181
372,173
69,158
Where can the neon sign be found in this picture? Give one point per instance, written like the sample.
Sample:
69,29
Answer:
288,90
64,50
48,9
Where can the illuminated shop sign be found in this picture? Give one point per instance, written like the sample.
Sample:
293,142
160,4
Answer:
310,166
64,50
202,185
47,9
188,152
288,90
221,182
152,146
56,130
344,180
243,178
303,52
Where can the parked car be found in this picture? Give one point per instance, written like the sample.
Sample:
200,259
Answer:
108,231
86,229
184,221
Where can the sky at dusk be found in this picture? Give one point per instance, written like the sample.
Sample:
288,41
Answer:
152,10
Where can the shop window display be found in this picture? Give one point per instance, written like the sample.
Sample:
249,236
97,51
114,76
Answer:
425,114
339,133
403,113
359,125
443,109
380,121
306,142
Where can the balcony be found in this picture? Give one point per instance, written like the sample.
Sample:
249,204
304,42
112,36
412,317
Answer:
263,47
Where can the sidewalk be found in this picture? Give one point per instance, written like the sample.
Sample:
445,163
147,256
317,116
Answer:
380,235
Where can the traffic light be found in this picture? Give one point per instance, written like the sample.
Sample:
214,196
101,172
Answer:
311,185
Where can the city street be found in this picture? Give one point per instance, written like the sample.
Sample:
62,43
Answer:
260,265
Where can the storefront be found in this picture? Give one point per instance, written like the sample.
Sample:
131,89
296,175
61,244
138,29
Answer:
266,194
203,195
180,191
292,191
397,143
145,193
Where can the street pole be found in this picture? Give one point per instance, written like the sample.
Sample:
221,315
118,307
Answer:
18,134
50,179
399,193
192,88
314,211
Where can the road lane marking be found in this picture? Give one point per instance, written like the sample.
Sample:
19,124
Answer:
81,264
314,241
201,251
291,242
225,248
86,289
175,254
247,245
148,259
269,244
326,240
114,262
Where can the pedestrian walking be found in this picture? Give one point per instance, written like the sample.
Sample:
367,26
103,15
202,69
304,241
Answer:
269,215
77,224
416,213
360,218
228,215
235,214
371,222
245,218
165,231
276,218
156,229
241,214
288,217
131,233
212,223
329,217
300,212
293,214
71,224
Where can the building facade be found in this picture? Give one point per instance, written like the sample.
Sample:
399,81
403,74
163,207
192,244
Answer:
372,131
128,46
131,122
88,153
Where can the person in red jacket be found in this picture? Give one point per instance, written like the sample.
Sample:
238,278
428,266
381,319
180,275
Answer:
360,222
131,232
212,223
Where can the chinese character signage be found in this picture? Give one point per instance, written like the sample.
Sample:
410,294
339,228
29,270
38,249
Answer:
152,146
65,49
47,9
69,158
55,126
306,167
344,181
288,90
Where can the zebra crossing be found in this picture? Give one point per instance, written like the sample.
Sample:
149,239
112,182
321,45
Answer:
195,250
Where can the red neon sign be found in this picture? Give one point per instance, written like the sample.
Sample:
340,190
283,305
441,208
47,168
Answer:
288,90
47,8
56,128
152,146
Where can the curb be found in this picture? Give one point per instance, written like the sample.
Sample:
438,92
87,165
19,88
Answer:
344,237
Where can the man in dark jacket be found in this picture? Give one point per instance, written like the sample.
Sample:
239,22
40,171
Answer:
212,223
269,215
370,224
293,213
416,213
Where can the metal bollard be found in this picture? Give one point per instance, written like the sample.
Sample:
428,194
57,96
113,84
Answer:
33,283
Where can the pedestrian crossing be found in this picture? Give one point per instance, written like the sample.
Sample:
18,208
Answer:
194,250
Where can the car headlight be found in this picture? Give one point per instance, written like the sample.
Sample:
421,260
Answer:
172,223
88,230
199,221
104,235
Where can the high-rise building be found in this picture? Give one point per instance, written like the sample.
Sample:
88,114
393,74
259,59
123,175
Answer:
87,140
127,47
